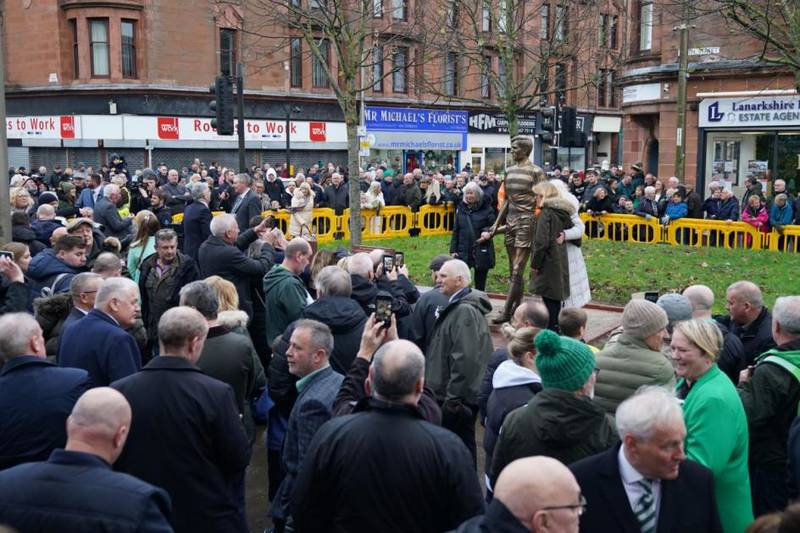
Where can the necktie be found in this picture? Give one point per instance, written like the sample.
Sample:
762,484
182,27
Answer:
238,203
646,507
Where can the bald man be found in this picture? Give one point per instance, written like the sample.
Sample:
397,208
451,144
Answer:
76,490
532,494
393,470
749,319
731,358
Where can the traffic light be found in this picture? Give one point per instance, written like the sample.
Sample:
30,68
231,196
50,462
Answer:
222,105
546,124
571,136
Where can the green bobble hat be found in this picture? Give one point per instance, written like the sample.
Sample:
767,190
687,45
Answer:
563,363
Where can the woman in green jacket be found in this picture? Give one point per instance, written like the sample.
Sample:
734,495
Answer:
716,425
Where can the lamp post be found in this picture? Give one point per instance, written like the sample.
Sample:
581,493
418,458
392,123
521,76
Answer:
289,110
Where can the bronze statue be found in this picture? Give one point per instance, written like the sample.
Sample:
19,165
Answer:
516,219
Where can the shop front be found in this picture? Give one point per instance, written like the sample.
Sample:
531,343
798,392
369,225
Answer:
405,139
489,141
755,136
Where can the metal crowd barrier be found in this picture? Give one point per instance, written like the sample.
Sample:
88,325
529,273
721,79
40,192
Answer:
399,221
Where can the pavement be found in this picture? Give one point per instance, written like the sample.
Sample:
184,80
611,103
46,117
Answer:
601,321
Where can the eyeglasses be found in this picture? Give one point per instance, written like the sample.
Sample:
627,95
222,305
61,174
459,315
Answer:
580,508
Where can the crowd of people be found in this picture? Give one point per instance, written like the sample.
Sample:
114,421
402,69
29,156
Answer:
139,356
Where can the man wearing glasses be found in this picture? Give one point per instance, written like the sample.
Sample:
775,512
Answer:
646,483
532,494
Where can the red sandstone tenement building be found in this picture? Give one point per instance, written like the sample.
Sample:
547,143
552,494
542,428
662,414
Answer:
724,142
132,76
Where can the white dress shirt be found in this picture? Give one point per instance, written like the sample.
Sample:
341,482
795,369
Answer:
630,476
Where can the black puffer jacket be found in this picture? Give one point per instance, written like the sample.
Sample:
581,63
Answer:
481,216
346,319
557,424
26,235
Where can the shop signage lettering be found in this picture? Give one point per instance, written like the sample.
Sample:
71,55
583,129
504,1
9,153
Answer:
497,123
393,119
750,111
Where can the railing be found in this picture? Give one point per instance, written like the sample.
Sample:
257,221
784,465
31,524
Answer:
399,221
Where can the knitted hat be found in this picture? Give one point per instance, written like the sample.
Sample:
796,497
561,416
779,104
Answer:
677,307
47,197
563,363
642,318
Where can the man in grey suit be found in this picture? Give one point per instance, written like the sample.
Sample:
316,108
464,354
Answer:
247,203
309,349
105,213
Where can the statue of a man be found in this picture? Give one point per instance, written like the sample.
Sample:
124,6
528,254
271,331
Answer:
516,219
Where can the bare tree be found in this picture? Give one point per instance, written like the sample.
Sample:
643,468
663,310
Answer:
518,56
350,42
774,23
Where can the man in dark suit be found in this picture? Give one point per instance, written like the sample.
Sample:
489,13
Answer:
187,435
105,213
309,349
75,490
98,343
246,204
646,484
197,220
223,254
35,396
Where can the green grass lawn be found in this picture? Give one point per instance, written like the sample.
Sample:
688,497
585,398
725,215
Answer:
618,269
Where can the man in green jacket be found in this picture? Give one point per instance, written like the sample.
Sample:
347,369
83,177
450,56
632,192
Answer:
770,393
285,295
458,351
634,358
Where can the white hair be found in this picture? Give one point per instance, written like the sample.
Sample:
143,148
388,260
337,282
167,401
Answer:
199,190
787,313
648,409
361,264
221,224
475,188
110,189
113,288
461,269
16,332
563,192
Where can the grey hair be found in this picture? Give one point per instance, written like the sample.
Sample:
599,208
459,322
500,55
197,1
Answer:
647,410
202,296
649,190
460,268
333,281
781,196
361,264
106,263
475,188
110,189
16,332
244,178
787,313
748,292
222,224
199,190
113,288
397,366
166,234
178,326
81,281
321,336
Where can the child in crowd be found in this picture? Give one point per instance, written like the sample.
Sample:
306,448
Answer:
572,323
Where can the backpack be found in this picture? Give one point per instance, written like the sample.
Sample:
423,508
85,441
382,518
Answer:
51,290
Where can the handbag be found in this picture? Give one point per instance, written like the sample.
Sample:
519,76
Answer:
311,238
482,252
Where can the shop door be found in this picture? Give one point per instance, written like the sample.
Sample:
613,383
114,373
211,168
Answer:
652,157
413,160
788,165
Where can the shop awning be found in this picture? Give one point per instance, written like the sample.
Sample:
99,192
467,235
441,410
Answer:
607,124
